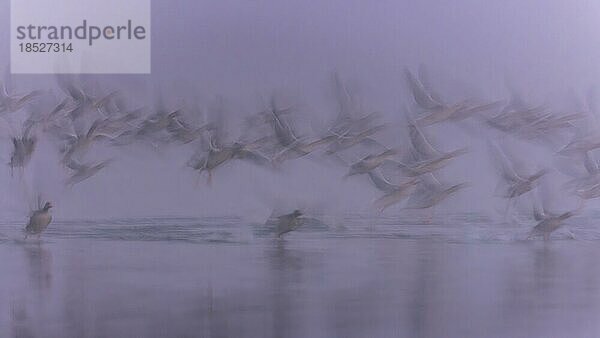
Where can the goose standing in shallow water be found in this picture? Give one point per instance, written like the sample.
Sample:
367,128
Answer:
39,220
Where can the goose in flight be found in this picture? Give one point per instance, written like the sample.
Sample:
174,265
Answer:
77,144
423,157
430,192
349,139
288,145
352,125
81,172
584,173
10,103
548,222
217,156
393,193
23,148
436,110
370,162
512,184
301,149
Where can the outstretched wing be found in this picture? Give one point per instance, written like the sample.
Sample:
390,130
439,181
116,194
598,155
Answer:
420,94
422,149
381,183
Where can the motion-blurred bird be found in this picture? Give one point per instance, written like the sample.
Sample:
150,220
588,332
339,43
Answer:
288,222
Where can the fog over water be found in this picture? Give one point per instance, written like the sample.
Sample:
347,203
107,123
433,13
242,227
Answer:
476,215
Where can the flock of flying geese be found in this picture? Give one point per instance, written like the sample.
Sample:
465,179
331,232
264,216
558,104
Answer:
77,120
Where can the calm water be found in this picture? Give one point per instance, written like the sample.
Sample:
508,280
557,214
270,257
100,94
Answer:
360,277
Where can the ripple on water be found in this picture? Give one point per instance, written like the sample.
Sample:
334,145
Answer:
461,228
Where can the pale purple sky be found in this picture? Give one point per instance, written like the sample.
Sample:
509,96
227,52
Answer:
243,49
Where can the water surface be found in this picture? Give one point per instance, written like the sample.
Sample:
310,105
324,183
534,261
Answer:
222,277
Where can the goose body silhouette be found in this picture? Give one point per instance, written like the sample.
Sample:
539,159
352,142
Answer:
39,220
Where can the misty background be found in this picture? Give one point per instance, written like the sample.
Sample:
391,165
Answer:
245,50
